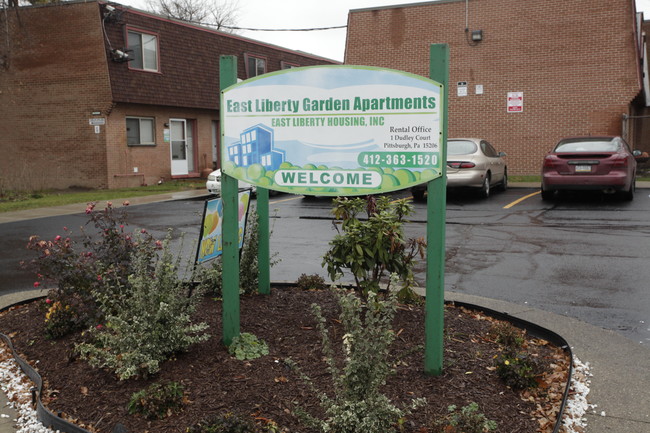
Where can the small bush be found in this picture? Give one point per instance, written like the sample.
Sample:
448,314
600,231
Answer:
149,322
506,334
467,420
246,346
248,267
518,370
157,401
311,282
374,248
358,405
74,272
61,319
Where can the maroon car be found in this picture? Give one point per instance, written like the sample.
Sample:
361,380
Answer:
590,163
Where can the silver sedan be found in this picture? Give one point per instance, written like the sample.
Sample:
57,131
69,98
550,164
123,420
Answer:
472,163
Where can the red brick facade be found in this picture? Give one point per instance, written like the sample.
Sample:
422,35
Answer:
576,62
57,73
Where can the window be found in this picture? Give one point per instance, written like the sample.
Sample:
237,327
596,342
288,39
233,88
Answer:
287,65
254,65
144,51
488,150
140,131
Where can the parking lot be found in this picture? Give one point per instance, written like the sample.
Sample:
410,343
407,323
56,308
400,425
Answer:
584,256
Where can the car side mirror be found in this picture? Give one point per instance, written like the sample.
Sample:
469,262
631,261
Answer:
641,156
502,154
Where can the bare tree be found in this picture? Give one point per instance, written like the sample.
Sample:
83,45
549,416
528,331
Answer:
221,16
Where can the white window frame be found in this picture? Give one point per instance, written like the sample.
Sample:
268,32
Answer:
260,65
140,130
288,65
151,42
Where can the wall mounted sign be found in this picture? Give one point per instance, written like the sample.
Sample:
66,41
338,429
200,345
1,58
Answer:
333,130
515,102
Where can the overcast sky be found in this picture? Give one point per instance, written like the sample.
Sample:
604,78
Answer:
292,14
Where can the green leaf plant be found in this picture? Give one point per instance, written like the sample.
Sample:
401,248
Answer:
373,248
358,406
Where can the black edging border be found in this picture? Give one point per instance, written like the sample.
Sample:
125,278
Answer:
50,420
44,415
536,331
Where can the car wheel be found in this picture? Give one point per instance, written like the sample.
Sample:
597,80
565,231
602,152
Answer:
485,188
418,194
547,195
504,182
629,194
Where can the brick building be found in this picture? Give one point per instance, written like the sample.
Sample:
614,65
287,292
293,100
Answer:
577,64
75,112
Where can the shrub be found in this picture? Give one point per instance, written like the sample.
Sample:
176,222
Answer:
467,420
248,266
358,406
157,401
373,248
246,346
518,370
148,322
101,263
311,282
60,320
506,334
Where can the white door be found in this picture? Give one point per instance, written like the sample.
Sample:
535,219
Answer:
179,146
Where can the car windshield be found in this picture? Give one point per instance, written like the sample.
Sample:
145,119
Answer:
587,146
460,147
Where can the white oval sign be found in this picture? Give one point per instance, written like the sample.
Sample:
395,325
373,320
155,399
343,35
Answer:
333,130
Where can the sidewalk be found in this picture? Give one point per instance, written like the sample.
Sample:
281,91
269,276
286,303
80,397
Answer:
620,386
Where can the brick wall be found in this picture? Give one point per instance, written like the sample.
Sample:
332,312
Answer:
54,74
153,162
574,60
53,78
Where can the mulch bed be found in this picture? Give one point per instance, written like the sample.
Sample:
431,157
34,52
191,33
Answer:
267,389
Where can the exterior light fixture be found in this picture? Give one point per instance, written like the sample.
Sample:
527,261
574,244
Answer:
477,35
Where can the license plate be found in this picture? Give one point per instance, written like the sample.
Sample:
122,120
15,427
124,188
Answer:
583,169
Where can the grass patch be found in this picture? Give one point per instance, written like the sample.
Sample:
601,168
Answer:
14,201
529,178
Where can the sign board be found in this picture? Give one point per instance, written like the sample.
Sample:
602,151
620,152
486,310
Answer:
515,102
210,241
97,121
333,130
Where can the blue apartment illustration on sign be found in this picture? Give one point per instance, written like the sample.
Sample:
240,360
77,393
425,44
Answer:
256,146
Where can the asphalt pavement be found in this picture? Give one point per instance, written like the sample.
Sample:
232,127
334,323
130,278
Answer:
619,389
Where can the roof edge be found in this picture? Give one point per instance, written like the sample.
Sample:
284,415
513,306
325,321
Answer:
406,5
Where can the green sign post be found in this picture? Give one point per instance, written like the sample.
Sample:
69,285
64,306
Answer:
337,131
436,216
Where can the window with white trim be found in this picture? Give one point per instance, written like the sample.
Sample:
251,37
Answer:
143,51
140,131
287,65
254,65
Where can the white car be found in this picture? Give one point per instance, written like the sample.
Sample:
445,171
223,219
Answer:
213,183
